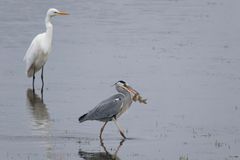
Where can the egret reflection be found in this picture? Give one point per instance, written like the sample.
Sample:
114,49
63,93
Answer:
106,155
41,118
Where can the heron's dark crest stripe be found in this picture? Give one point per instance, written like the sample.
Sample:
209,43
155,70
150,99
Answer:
121,81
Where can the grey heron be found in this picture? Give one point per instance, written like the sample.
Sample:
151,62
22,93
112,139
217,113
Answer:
112,108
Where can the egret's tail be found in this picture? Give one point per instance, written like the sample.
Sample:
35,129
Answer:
30,72
82,118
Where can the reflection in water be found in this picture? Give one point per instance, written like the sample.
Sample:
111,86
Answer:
41,119
100,155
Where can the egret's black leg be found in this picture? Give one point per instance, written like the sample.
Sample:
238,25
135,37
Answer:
42,82
33,80
101,131
42,79
42,94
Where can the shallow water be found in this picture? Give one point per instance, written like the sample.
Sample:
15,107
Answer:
183,55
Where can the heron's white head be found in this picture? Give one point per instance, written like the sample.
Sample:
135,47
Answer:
54,12
123,85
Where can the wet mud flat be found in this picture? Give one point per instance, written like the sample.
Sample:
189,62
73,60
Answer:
183,55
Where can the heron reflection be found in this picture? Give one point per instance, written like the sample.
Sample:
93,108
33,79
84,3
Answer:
106,155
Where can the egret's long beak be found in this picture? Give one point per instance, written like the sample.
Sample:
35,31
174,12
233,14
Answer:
63,13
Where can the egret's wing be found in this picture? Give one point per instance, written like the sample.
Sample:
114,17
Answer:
32,52
107,109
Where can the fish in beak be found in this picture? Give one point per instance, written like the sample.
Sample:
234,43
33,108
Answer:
136,95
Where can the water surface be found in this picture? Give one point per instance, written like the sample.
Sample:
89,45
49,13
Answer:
183,55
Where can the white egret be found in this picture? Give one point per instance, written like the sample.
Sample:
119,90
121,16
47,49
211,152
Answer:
38,51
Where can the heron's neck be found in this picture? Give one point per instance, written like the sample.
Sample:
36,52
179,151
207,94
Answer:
127,100
124,92
49,27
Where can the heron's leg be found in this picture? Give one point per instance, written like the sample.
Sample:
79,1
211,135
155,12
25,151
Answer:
119,128
104,148
101,131
112,156
33,80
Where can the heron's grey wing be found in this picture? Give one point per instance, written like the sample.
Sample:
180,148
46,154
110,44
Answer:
107,109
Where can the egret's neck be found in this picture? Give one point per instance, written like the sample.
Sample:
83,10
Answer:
49,27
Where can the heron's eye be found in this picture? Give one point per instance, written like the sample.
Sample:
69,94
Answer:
54,12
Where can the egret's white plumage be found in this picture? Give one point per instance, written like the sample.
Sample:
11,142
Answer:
38,51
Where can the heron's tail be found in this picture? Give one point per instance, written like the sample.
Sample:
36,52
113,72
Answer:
82,118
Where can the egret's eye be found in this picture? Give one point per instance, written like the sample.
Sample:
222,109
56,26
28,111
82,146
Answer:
54,12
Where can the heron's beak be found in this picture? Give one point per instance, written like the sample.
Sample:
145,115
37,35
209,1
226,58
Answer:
63,13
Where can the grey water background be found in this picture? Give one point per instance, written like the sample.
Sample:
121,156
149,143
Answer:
183,55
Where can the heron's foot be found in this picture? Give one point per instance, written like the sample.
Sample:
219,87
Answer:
122,134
